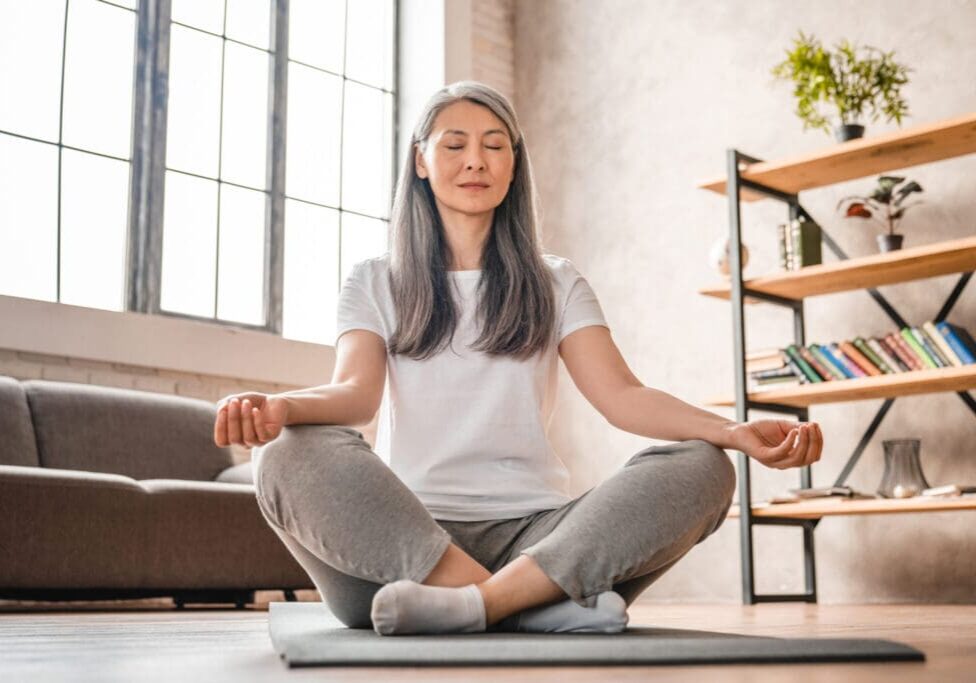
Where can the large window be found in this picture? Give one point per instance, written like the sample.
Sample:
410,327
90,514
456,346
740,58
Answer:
223,160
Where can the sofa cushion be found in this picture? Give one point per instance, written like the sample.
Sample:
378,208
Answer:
237,474
138,434
17,445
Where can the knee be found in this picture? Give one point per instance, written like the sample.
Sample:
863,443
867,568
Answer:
717,470
302,453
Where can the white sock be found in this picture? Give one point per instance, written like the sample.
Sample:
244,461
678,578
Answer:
409,607
608,615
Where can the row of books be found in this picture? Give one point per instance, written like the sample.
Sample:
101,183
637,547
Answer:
799,244
929,345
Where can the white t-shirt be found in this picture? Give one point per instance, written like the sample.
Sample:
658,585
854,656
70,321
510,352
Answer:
467,433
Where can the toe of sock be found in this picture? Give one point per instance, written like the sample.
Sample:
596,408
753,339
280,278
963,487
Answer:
383,610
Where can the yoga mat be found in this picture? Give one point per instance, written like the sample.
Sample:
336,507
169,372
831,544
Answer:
308,634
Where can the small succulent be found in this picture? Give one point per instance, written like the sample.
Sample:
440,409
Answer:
884,203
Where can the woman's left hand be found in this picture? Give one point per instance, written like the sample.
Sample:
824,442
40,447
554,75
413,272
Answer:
779,444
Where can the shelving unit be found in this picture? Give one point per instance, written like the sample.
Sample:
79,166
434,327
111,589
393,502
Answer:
751,179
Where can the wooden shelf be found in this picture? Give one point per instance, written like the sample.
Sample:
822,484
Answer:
814,509
903,265
927,381
858,158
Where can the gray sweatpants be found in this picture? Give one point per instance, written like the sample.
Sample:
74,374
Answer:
354,526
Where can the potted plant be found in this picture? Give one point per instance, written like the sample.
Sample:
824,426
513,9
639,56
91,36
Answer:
884,203
846,80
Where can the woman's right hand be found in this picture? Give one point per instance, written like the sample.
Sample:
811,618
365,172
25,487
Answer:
249,419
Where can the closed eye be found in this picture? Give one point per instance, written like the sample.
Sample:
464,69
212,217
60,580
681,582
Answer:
463,147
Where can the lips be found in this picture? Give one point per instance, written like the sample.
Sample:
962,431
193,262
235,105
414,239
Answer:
474,185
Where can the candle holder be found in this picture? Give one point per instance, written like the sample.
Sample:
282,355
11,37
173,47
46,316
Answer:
903,477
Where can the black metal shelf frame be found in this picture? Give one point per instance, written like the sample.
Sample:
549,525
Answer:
734,184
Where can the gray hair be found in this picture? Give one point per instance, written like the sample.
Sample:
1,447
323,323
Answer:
516,303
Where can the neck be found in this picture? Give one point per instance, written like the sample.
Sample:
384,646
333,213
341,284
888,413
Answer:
466,235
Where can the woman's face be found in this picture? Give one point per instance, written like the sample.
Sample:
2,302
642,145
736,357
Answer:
469,160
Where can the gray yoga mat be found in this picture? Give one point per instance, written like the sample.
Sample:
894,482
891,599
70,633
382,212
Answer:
308,634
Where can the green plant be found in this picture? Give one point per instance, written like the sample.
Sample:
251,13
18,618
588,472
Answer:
885,200
843,79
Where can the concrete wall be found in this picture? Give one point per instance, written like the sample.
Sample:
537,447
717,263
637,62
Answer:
627,105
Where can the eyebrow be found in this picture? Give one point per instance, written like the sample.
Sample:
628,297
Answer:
487,132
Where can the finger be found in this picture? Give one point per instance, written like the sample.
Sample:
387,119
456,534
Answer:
220,427
259,427
234,421
247,424
800,450
816,448
782,451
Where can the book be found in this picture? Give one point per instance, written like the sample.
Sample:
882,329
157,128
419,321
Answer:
797,371
824,373
859,358
805,239
851,366
941,343
781,240
948,330
826,362
909,338
895,352
907,353
862,346
875,345
829,353
932,347
948,490
805,368
926,345
800,494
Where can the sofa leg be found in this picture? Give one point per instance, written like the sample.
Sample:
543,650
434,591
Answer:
238,597
290,595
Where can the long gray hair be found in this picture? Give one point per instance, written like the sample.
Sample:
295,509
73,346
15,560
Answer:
516,303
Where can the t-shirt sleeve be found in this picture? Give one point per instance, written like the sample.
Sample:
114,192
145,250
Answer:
582,307
357,309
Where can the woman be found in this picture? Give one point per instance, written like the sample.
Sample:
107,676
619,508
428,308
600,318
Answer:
460,520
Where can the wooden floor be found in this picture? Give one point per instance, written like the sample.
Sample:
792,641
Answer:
148,640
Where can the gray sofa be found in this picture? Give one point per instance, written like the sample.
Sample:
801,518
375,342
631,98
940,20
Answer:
110,493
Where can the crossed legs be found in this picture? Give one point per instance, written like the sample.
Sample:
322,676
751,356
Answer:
312,480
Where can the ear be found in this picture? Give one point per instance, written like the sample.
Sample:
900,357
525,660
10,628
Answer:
418,160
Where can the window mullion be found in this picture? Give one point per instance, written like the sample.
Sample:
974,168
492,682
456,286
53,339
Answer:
274,243
146,179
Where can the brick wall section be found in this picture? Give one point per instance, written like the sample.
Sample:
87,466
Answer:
493,44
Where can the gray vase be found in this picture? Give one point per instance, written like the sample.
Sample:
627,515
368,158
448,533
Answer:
903,476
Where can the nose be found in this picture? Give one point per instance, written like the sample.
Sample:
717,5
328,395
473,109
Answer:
474,159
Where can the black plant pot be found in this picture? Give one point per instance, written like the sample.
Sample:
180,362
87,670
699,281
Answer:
848,131
889,242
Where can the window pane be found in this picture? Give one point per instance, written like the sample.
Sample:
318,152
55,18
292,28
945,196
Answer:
362,238
98,77
367,143
369,42
30,67
94,205
189,245
28,218
311,284
314,102
240,273
193,118
245,131
249,21
205,14
316,32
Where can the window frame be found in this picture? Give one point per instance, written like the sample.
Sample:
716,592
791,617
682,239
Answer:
148,164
